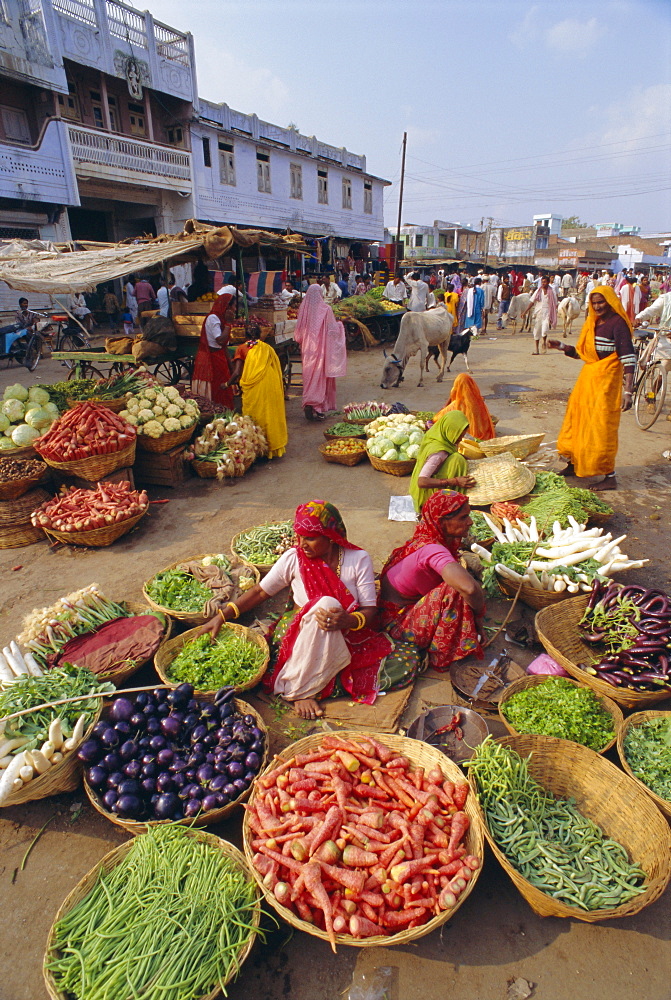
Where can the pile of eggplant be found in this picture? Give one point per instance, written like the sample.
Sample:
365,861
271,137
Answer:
166,756
635,626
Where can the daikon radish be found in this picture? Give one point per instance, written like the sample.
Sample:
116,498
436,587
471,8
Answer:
560,586
481,552
498,534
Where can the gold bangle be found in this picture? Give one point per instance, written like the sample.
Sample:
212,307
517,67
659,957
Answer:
361,621
236,609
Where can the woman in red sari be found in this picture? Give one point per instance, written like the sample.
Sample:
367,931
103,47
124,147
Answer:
325,645
211,368
426,596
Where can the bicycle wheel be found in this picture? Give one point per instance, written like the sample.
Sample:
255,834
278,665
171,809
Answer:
71,342
167,372
650,395
82,369
33,353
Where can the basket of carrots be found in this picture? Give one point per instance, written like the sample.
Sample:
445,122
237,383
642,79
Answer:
93,517
349,807
89,441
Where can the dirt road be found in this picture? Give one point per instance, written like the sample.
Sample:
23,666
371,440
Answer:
495,937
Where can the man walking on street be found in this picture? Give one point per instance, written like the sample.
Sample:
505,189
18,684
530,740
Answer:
419,292
544,303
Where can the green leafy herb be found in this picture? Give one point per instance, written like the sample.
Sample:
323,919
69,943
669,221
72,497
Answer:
647,749
208,664
178,591
559,708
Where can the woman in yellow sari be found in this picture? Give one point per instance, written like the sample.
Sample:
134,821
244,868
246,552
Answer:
588,437
257,370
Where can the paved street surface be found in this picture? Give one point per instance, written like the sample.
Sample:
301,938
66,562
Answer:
495,937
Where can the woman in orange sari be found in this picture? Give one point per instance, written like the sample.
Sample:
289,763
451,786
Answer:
588,437
467,398
211,369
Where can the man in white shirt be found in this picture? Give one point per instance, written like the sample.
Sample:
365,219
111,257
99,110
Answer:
163,299
395,290
660,310
288,293
567,284
330,291
419,292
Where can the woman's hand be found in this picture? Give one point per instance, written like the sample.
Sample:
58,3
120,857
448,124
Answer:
627,400
210,627
335,620
463,481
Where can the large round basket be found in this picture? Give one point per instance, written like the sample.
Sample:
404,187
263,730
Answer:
263,568
532,596
345,437
62,777
206,819
27,451
15,513
361,421
534,680
607,796
418,753
166,442
195,617
501,477
519,445
206,470
392,468
116,405
96,538
353,458
558,630
119,675
19,535
12,489
96,466
637,719
169,650
110,861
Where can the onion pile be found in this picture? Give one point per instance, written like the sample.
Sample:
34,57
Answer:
167,756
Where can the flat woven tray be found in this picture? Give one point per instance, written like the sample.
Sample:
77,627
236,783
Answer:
110,861
418,753
519,445
557,629
637,719
169,650
501,477
534,680
613,801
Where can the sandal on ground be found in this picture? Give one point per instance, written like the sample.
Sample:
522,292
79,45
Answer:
568,471
607,483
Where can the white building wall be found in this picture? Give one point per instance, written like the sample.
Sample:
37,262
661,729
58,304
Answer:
42,174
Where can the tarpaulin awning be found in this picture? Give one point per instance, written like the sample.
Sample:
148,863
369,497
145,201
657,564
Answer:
59,269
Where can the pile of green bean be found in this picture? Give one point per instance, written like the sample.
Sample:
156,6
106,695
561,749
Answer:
230,660
549,841
263,545
167,923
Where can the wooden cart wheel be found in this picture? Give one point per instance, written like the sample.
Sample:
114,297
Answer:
82,369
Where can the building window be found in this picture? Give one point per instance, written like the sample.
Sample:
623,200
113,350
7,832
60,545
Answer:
296,180
419,240
175,135
263,171
429,241
207,159
68,104
346,192
323,187
97,109
136,117
15,124
226,164
368,197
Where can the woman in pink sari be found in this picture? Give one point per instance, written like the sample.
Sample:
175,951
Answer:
323,351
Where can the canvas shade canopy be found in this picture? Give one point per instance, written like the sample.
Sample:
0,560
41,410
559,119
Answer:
58,268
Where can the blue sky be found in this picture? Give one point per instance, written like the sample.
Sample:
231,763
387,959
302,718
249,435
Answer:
511,108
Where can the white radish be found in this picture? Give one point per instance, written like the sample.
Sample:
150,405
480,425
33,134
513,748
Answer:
574,524
605,553
481,552
34,669
570,560
57,757
618,566
498,534
556,529
533,530
26,773
48,749
18,655
9,776
509,573
560,586
510,533
9,746
6,673
5,761
523,530
548,584
573,588
40,762
586,587
533,580
56,734
17,668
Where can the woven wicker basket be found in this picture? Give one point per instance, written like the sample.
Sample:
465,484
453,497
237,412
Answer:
110,861
353,458
96,538
558,630
637,719
19,535
169,650
194,618
500,477
361,421
62,777
418,753
392,468
12,489
206,470
15,513
27,451
206,819
263,568
166,442
531,596
610,799
96,466
344,437
519,445
533,680
116,405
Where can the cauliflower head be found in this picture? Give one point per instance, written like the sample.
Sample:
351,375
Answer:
185,420
172,411
148,393
172,393
172,424
152,429
162,400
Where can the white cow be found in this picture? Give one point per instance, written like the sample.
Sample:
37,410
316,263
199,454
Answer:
418,332
518,304
568,310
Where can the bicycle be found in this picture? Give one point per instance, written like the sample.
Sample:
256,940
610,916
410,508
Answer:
650,383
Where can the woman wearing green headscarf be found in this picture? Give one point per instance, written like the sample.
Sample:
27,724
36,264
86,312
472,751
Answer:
439,465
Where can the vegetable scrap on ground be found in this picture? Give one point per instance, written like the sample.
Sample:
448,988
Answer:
560,707
547,839
354,839
168,922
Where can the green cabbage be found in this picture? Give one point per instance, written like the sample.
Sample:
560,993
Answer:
4,422
39,419
53,409
413,450
24,435
390,456
16,391
6,443
14,409
39,396
398,437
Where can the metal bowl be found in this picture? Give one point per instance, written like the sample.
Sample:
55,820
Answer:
458,744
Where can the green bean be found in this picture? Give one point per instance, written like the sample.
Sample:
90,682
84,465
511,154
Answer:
263,545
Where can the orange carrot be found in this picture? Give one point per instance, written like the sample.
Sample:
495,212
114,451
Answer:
329,829
361,927
352,880
355,857
408,869
395,920
460,824
418,777
460,794
313,883
382,751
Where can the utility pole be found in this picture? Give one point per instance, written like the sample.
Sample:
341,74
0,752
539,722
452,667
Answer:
490,222
400,196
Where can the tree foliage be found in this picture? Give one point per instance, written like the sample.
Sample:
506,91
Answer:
573,222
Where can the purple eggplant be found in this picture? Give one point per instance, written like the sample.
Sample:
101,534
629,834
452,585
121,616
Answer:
97,777
90,752
122,709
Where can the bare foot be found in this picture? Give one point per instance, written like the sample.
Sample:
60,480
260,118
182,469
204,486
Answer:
307,708
607,483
